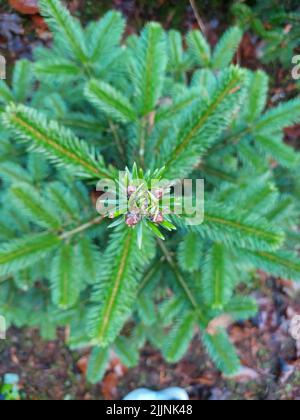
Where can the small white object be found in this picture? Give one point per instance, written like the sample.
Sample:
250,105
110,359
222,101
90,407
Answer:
170,394
295,327
2,67
11,379
2,328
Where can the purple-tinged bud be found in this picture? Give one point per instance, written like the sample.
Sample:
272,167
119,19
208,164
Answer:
158,193
132,219
158,218
131,190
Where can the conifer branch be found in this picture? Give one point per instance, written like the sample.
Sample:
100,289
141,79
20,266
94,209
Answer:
22,253
178,275
257,233
104,36
6,95
59,144
206,125
217,277
177,342
281,263
150,273
110,100
65,277
235,228
149,65
61,22
97,366
67,235
226,48
222,352
121,270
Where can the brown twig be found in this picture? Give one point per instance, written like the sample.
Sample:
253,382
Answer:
198,17
118,140
82,228
177,274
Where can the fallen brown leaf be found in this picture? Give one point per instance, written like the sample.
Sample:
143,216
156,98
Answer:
82,364
27,7
109,386
223,321
246,374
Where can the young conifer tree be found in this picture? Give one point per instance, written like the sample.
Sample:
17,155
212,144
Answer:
95,104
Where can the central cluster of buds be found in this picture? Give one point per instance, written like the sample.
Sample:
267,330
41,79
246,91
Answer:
144,204
138,200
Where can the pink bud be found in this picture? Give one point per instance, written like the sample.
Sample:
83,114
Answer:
158,193
158,218
132,219
131,190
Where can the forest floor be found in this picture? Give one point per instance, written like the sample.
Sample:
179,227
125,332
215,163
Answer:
270,356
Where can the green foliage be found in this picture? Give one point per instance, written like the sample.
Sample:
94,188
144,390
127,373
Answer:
226,48
276,22
148,65
178,341
207,121
217,281
57,143
222,352
189,252
121,270
202,55
64,277
22,80
241,308
90,107
282,264
21,253
282,116
104,36
97,364
65,27
29,201
127,351
110,101
258,94
200,49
